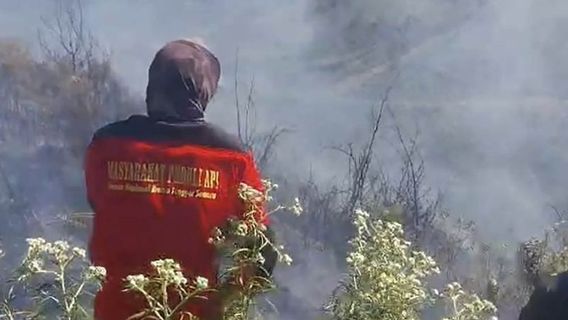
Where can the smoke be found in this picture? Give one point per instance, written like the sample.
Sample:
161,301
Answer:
483,81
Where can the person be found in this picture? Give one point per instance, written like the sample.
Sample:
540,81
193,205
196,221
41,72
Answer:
159,184
548,301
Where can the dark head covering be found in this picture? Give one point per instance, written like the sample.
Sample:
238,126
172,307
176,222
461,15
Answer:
182,79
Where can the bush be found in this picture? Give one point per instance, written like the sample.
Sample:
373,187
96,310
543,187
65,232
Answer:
387,278
61,281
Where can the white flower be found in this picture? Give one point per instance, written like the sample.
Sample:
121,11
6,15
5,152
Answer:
250,194
286,259
268,185
35,265
37,245
96,272
241,229
60,246
355,258
260,258
201,283
178,278
361,213
297,207
137,281
157,264
79,252
35,241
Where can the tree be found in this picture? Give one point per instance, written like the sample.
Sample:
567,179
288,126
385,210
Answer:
68,37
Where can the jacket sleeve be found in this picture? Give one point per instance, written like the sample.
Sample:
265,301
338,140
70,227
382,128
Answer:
91,181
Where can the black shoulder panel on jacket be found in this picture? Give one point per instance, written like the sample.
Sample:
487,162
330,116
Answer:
142,128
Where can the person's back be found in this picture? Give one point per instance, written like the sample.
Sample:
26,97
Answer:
160,183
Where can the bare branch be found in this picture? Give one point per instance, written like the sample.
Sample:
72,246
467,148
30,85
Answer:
361,162
68,38
237,104
261,144
410,191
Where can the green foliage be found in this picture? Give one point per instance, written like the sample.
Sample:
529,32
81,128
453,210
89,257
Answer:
466,306
241,243
385,275
548,257
157,287
556,262
64,275
387,279
60,279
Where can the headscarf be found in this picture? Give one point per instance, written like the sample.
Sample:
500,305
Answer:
182,79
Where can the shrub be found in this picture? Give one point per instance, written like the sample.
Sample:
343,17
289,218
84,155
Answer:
387,279
63,275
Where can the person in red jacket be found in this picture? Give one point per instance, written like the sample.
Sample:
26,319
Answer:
160,183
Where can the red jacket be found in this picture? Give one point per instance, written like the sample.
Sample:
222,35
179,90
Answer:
158,189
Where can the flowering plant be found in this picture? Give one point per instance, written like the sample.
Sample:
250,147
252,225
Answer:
157,288
64,282
387,279
242,244
385,275
466,306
